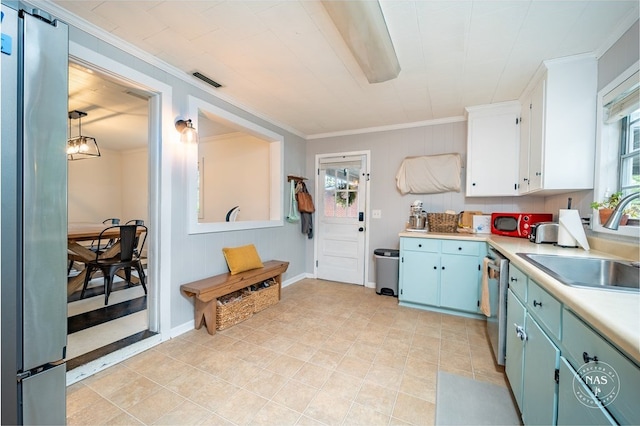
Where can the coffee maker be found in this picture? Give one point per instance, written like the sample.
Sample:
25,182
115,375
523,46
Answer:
417,216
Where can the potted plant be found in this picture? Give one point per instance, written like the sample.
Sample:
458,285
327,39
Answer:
605,208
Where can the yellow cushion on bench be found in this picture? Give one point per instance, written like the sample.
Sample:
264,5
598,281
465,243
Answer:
243,258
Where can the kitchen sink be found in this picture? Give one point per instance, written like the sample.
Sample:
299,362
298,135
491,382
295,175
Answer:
588,272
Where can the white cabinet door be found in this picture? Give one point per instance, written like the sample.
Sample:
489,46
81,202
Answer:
536,137
492,150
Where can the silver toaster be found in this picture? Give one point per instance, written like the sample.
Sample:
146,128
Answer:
544,232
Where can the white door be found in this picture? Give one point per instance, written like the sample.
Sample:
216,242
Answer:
341,218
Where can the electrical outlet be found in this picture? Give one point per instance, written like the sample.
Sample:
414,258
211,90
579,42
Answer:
376,214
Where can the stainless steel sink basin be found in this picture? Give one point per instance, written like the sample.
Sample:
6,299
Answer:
588,272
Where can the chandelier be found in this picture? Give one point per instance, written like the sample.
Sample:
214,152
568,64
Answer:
80,147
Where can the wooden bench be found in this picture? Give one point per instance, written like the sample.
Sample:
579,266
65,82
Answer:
206,291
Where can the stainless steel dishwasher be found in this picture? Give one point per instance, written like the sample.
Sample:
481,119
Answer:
497,273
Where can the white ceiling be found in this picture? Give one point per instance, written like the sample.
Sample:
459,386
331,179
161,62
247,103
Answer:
286,60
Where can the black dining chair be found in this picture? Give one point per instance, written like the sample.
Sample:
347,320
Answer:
126,259
136,250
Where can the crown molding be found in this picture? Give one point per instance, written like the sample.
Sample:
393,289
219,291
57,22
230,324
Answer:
377,129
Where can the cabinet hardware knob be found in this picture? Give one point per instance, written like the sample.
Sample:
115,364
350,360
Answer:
587,358
459,248
435,267
419,245
473,184
443,268
536,303
513,279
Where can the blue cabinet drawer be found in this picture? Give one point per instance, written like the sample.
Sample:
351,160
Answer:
420,244
544,307
518,282
471,248
578,339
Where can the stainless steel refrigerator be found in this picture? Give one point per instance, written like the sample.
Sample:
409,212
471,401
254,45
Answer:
33,221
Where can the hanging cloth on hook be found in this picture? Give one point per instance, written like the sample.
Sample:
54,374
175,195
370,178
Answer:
293,216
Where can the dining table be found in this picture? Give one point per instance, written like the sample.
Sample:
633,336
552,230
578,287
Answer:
81,232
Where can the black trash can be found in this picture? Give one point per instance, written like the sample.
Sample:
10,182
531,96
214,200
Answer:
387,271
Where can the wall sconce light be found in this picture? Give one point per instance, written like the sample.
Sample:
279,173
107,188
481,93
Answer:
188,133
80,147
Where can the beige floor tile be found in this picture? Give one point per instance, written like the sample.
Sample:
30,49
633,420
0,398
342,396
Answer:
278,344
336,343
99,413
295,395
377,398
123,419
265,383
186,413
308,421
213,394
384,376
240,372
301,351
259,356
456,361
241,407
455,346
419,367
312,375
164,371
326,359
414,410
190,382
275,414
133,392
285,365
360,415
155,406
343,385
354,366
420,387
328,408
216,420
85,404
364,351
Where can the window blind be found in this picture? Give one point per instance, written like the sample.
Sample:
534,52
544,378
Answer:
622,100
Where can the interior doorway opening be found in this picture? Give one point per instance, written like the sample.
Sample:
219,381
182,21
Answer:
100,189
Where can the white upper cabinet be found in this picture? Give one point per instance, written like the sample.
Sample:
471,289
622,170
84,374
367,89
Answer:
492,149
558,128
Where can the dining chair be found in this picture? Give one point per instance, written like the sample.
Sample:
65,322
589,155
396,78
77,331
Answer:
126,259
136,250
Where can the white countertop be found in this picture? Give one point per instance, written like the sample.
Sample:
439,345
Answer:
614,314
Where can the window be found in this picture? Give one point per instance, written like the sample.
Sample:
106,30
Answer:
630,153
618,158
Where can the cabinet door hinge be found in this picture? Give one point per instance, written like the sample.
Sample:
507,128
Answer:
479,268
517,121
515,186
556,376
316,263
402,259
478,304
400,291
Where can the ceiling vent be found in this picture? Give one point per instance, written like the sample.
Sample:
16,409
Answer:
207,79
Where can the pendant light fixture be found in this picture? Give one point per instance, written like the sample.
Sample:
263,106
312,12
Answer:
80,147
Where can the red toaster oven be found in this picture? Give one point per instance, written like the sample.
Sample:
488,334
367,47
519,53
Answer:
516,224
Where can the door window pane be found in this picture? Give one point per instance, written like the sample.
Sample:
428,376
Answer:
341,192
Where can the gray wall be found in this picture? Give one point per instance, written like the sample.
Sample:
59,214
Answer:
197,256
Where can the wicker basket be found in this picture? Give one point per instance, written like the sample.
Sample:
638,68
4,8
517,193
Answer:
442,222
234,312
265,297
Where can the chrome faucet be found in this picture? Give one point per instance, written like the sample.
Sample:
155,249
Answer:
614,220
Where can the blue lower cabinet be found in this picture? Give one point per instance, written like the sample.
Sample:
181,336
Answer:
419,277
459,282
539,390
442,275
576,403
514,358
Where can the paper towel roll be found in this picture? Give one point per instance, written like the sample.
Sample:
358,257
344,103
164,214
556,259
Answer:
570,230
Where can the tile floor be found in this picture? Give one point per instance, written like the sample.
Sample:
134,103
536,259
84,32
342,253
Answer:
327,354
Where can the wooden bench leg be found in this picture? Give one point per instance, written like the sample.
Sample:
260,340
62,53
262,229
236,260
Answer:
206,312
